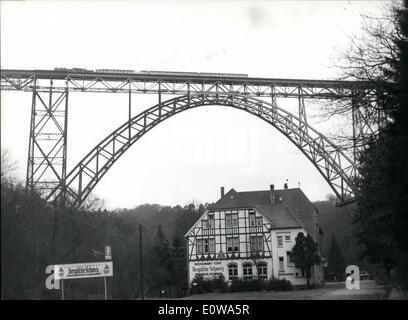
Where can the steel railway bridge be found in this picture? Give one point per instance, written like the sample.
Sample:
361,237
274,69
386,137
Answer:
50,89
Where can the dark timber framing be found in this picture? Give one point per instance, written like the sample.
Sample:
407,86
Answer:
243,229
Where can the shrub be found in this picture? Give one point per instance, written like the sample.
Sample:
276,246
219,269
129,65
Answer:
279,285
214,284
218,284
245,285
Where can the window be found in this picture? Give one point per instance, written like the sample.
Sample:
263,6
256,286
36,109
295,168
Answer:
235,242
211,245
232,271
228,218
280,241
287,238
233,245
262,270
204,224
289,258
235,219
231,219
256,243
205,246
199,246
252,218
281,265
247,271
259,221
229,245
211,224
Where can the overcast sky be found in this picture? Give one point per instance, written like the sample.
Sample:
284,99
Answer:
189,156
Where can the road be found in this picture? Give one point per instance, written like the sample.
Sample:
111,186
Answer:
369,290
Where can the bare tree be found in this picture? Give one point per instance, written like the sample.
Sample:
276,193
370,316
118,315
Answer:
371,57
8,167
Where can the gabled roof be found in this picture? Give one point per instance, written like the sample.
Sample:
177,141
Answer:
278,216
291,209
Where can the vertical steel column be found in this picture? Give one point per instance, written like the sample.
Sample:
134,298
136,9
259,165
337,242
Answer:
30,156
273,96
47,149
188,92
302,113
65,151
357,127
368,120
302,117
160,101
130,110
273,102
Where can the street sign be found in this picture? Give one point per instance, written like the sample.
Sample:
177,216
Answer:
83,270
108,252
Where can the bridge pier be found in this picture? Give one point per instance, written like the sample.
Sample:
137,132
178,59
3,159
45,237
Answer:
47,147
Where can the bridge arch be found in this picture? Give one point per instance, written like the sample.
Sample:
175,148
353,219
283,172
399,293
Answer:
332,163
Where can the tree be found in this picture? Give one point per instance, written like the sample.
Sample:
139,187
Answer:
336,262
381,219
179,266
161,260
305,255
370,57
8,167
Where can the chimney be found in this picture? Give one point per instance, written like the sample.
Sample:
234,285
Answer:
222,192
285,186
272,194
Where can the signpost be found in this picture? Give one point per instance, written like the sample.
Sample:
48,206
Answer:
108,252
83,270
108,256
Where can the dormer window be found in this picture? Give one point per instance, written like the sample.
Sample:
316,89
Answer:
211,223
252,219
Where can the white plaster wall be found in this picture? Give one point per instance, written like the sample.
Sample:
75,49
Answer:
214,267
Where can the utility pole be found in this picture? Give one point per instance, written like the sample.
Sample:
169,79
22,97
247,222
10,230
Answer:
141,263
317,226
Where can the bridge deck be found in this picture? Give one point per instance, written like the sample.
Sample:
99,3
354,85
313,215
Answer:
198,79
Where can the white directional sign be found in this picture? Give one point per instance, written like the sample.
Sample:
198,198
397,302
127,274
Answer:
83,270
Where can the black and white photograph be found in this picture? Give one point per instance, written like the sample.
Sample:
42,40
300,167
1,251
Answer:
197,157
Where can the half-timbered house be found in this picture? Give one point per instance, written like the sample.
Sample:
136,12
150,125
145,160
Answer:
251,234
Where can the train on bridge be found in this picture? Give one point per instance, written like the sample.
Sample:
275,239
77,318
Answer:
144,72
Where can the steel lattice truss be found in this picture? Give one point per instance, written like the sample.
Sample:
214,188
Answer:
47,154
46,166
336,167
27,80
